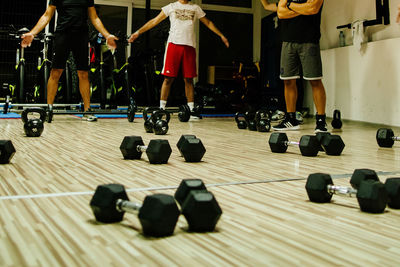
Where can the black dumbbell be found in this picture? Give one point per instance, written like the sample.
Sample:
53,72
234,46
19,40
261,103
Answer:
158,214
336,121
309,145
184,113
191,148
263,122
132,108
241,124
392,186
33,127
370,192
250,120
198,205
385,137
332,144
7,151
158,151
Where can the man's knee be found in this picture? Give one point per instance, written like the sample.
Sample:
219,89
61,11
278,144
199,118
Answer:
55,74
188,80
83,75
289,83
316,83
168,80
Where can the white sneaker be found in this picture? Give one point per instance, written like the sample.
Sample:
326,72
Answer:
89,117
194,118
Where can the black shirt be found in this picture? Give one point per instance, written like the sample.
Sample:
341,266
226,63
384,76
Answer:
72,14
302,29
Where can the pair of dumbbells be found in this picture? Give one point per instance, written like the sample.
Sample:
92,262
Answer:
259,121
309,144
159,213
372,195
158,151
156,122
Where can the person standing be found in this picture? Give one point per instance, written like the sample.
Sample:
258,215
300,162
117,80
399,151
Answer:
181,46
300,29
71,35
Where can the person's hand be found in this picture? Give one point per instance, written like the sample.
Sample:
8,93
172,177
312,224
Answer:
226,42
133,37
111,44
398,14
27,39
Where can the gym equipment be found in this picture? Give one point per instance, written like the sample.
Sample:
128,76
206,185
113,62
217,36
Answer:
158,151
309,145
250,120
385,137
185,112
44,65
241,124
332,144
160,126
371,194
263,122
158,214
336,122
7,151
191,148
392,186
33,127
198,205
148,123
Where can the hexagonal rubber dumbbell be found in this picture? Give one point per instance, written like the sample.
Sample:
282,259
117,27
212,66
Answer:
385,137
198,205
7,151
158,214
309,145
158,151
392,186
332,144
191,148
371,194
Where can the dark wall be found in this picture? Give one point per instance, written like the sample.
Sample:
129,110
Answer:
237,3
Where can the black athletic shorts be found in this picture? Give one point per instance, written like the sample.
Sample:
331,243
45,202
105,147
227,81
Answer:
77,42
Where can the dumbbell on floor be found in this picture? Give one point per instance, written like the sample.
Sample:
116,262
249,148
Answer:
309,145
7,151
191,148
158,151
370,192
332,144
385,137
392,186
158,214
198,205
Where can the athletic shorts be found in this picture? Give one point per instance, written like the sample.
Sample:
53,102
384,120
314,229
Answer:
77,42
177,56
301,57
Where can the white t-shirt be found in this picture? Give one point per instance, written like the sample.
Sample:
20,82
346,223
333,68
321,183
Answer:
182,18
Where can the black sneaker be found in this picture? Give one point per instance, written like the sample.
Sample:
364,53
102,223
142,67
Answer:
321,124
288,124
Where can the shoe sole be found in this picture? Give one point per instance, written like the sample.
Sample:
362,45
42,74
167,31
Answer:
294,128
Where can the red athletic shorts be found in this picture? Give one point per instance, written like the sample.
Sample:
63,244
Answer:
177,55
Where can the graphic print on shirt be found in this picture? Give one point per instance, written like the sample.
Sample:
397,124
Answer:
184,14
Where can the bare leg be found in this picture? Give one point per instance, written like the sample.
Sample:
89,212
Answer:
166,87
290,95
189,90
84,88
52,85
319,96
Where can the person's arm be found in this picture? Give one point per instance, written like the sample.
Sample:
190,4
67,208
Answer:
100,27
27,38
311,7
209,24
269,6
149,25
284,12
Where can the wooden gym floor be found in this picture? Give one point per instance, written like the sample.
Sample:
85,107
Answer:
267,219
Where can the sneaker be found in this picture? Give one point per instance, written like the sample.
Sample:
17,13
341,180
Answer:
299,117
288,124
89,117
321,124
278,115
195,116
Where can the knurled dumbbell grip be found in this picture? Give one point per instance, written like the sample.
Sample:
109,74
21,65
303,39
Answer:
287,143
141,148
342,190
396,138
125,205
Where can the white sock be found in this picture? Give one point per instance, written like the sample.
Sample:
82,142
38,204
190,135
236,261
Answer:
163,103
191,105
